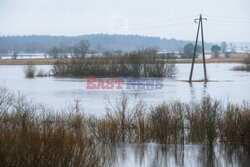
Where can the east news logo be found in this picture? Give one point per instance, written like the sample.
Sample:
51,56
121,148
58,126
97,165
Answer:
124,83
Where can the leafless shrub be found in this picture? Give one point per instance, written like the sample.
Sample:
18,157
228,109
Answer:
235,127
203,120
122,123
134,64
167,123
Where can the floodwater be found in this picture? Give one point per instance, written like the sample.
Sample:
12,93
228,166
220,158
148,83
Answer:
156,155
224,84
57,92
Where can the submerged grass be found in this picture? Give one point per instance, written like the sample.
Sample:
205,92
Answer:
32,135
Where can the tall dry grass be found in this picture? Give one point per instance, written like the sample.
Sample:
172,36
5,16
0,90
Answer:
235,127
122,123
174,122
30,71
30,137
33,135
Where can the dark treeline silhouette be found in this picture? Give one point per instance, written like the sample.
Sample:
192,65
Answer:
98,42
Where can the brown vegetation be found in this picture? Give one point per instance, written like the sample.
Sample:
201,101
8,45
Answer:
30,71
134,64
32,135
245,66
52,61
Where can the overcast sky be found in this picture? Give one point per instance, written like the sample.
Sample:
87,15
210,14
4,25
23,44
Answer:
228,20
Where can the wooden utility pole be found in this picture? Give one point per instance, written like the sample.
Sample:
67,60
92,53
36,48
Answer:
200,25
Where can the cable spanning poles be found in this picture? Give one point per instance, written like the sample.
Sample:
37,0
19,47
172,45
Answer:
200,26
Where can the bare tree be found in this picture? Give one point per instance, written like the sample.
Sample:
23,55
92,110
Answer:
14,56
54,52
80,49
223,46
189,51
215,49
232,47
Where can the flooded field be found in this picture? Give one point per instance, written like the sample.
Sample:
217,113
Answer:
223,84
155,155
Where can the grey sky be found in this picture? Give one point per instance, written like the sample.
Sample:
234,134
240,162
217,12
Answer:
228,20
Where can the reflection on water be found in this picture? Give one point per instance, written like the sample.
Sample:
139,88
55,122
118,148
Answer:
193,91
205,89
155,155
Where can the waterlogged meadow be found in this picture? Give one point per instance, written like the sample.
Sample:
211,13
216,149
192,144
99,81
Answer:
59,121
110,84
34,135
54,91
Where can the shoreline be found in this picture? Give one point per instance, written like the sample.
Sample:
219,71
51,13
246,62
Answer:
52,61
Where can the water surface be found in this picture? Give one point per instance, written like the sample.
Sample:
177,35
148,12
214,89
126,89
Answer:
225,84
156,155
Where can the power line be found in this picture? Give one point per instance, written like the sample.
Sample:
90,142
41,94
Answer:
228,18
154,23
229,24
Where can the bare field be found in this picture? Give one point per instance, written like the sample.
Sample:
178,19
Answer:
223,60
52,61
28,61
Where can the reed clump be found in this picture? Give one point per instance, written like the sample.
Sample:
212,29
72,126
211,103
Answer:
30,71
235,127
135,64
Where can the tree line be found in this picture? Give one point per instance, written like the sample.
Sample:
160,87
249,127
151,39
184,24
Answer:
216,49
43,43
